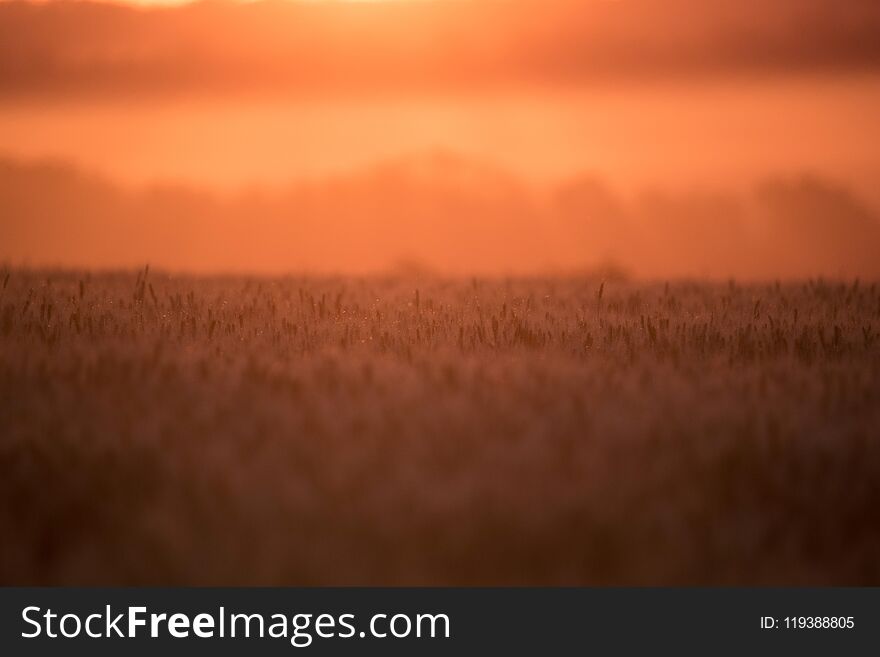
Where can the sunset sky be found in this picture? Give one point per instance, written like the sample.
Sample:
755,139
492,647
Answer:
679,97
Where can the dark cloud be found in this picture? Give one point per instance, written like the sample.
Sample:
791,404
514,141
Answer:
80,48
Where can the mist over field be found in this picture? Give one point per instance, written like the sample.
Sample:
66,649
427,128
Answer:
440,213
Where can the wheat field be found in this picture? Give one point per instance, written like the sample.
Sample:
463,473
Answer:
410,429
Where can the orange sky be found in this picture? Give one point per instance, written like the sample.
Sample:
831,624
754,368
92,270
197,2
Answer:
679,97
719,135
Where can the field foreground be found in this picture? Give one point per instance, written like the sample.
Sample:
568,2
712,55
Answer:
170,430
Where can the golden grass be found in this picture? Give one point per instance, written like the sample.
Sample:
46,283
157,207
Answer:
231,430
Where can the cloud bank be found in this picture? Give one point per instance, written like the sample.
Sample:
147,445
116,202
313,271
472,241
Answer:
70,48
